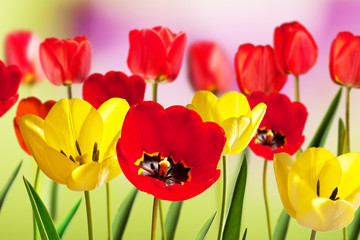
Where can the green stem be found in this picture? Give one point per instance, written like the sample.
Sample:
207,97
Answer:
313,235
266,200
347,118
154,96
162,220
88,214
53,199
36,186
297,89
223,203
68,86
154,217
345,233
108,201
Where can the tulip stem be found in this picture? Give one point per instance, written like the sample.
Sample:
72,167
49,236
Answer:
297,89
36,186
68,86
89,217
266,200
222,214
154,218
313,235
347,118
108,201
154,96
162,220
345,233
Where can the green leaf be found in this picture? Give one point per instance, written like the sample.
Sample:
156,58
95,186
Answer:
245,234
172,219
45,224
342,147
204,230
66,222
233,221
282,226
122,215
354,227
8,185
321,134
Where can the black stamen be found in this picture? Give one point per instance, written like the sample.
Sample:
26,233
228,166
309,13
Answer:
71,158
318,188
61,151
333,195
95,152
96,157
169,155
78,147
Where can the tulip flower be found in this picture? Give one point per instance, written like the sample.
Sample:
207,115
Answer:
257,70
99,88
66,61
75,144
321,191
156,54
281,130
209,67
30,105
169,153
344,60
22,49
232,112
295,48
10,78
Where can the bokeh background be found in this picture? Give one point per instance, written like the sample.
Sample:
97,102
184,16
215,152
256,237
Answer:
107,23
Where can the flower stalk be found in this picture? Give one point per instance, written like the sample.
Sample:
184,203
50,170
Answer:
108,204
266,199
154,218
223,203
89,215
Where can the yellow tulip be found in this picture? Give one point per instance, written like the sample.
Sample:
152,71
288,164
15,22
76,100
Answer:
233,113
319,190
75,144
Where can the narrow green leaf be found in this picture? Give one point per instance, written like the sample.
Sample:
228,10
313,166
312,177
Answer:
321,134
354,227
44,222
66,222
282,226
233,221
204,230
122,215
245,234
8,185
341,138
172,219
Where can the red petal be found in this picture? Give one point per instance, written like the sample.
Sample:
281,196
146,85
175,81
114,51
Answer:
81,62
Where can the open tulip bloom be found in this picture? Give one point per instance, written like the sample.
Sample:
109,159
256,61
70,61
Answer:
75,144
169,153
319,190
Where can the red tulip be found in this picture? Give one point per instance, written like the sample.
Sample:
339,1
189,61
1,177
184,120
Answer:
66,61
169,153
281,129
22,49
99,88
295,48
345,60
256,69
10,78
156,54
30,105
209,67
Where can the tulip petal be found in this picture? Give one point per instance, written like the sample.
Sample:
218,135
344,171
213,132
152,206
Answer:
282,165
110,169
85,178
231,104
203,103
323,214
59,166
234,129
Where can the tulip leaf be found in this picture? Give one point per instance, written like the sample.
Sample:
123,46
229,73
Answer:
66,222
122,215
172,219
354,227
282,226
204,230
233,221
44,222
8,185
245,234
321,133
342,146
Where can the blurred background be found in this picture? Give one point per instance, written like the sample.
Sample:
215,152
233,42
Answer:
107,23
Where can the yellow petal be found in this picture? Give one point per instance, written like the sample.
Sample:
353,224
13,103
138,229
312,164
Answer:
258,114
323,214
203,103
110,169
234,128
319,164
231,104
282,165
73,120
85,178
113,113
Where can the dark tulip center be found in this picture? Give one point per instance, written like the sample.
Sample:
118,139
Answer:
270,138
333,195
164,169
